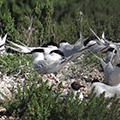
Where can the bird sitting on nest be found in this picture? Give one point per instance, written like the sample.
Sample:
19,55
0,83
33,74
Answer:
110,91
49,59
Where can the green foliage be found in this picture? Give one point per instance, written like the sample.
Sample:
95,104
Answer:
7,26
36,22
35,102
103,16
13,64
50,17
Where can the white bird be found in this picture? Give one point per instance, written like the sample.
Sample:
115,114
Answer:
110,91
2,42
76,49
97,47
51,59
75,88
108,47
25,49
48,62
67,49
70,49
111,73
46,59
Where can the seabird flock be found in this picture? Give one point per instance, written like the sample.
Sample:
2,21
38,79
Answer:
51,59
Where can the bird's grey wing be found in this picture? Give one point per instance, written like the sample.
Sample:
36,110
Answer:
21,48
109,55
97,48
115,77
100,40
67,50
79,43
44,66
62,63
104,64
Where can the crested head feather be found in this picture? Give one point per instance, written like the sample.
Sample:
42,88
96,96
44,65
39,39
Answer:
51,43
58,52
86,42
63,41
111,49
37,50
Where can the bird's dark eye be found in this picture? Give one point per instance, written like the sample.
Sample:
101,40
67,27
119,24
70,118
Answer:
86,42
118,65
111,49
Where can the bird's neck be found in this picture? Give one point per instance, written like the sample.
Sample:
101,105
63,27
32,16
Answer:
38,57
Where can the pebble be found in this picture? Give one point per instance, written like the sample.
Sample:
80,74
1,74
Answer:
12,81
73,71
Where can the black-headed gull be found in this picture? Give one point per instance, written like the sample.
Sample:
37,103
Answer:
75,88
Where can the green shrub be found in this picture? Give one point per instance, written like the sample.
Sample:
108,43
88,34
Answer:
36,22
37,103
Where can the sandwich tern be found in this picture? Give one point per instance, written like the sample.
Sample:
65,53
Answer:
75,49
110,91
46,59
49,59
107,48
50,62
70,49
111,73
25,49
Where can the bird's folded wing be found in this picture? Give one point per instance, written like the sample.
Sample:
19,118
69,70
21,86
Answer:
19,48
